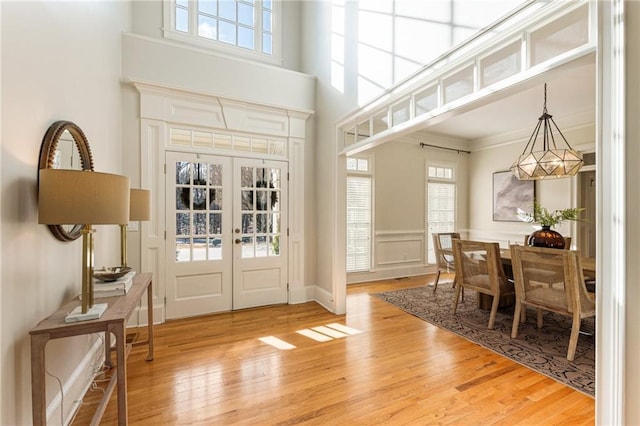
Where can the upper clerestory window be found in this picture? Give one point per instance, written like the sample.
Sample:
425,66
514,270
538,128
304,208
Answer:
241,27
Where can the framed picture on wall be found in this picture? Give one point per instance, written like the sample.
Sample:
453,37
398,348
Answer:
511,194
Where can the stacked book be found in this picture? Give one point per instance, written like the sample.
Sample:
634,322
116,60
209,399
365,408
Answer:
119,287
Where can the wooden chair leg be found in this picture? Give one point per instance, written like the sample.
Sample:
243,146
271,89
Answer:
516,319
435,284
455,298
573,340
539,319
494,310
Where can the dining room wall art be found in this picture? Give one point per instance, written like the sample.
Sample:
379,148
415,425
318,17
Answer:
509,195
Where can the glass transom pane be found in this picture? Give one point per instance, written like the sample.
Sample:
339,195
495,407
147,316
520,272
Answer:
458,85
567,33
501,64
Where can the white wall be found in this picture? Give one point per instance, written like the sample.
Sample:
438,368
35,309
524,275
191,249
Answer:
148,57
399,227
552,194
60,60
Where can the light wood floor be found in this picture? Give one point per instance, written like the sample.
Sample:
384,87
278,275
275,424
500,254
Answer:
213,370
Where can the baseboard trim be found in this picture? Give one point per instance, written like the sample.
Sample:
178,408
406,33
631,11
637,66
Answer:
76,385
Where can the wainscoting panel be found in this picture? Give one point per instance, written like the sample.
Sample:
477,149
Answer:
399,248
396,254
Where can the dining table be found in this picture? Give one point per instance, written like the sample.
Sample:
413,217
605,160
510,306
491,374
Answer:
588,264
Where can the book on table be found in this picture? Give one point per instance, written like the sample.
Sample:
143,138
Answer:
119,287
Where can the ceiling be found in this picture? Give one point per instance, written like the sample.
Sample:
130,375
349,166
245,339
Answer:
514,111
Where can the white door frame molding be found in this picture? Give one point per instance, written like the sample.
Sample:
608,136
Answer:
612,221
162,107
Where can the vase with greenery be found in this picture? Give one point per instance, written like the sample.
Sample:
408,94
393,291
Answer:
547,237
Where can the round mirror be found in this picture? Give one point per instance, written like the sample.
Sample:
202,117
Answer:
65,147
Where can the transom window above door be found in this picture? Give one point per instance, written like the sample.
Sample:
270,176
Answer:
245,27
218,140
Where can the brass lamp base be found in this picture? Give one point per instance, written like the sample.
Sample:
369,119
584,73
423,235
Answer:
94,312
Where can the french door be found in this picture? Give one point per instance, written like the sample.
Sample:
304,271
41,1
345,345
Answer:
225,245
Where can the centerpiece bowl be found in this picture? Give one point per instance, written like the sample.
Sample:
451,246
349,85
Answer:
111,274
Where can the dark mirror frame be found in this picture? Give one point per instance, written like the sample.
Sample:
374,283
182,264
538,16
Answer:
47,157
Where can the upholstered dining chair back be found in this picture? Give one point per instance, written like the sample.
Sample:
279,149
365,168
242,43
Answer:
479,268
567,294
443,249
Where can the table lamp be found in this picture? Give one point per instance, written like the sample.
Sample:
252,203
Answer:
69,197
139,210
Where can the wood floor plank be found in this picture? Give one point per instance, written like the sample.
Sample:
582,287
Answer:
398,370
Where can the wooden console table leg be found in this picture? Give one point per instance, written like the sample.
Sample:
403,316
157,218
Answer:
118,330
38,388
107,349
150,320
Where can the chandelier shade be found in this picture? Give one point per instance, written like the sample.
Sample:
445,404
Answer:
552,161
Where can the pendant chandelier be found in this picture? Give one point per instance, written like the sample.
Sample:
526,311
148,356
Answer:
550,162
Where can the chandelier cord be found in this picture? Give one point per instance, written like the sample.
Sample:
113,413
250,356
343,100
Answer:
547,133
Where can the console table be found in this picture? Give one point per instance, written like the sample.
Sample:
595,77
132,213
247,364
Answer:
114,320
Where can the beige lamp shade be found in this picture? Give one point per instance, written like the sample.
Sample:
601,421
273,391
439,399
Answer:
69,197
140,204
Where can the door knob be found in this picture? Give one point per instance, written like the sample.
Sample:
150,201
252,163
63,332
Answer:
237,230
238,240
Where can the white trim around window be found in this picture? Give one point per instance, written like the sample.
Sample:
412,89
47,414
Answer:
440,177
360,213
191,37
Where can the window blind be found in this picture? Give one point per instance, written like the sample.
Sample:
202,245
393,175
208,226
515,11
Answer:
358,223
440,212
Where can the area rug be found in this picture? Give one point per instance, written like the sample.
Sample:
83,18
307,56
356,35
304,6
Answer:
543,350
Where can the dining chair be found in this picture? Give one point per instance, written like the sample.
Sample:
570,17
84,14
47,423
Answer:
548,277
479,268
443,248
567,296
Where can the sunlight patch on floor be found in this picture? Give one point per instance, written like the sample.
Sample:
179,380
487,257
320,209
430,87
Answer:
323,333
318,337
277,343
330,332
344,328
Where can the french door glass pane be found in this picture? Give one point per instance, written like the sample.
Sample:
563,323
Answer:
260,226
199,205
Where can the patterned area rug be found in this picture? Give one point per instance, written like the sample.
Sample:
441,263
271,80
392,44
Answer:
543,350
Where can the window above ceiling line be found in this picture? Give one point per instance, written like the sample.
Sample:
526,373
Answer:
247,28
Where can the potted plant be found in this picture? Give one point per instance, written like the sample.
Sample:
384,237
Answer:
546,237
